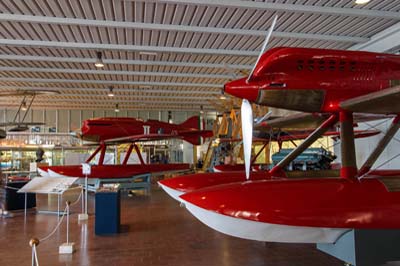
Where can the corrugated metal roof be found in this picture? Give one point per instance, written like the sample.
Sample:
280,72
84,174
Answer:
163,53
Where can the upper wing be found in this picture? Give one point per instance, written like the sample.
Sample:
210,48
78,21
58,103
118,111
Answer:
382,102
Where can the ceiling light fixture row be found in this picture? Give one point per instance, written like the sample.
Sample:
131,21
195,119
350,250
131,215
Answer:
111,91
99,60
222,96
361,2
23,106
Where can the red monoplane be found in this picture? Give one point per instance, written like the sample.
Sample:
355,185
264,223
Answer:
112,130
337,84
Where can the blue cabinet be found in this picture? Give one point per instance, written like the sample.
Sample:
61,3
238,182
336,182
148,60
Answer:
107,212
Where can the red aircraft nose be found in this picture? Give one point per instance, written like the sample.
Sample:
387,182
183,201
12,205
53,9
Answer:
241,89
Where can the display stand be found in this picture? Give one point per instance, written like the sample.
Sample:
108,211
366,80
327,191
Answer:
107,212
50,186
13,201
86,170
365,247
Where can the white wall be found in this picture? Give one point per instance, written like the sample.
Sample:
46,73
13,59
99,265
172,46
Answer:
365,146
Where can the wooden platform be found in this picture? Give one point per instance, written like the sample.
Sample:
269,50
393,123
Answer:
156,231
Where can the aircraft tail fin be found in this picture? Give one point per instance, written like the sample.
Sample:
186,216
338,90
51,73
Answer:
192,122
195,137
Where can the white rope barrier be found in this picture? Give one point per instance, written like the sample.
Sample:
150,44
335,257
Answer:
56,228
62,217
35,242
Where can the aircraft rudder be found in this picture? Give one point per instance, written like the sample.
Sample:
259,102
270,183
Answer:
192,122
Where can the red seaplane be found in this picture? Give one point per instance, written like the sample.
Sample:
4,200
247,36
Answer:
318,210
114,130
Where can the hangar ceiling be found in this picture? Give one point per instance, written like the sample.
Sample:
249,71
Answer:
167,54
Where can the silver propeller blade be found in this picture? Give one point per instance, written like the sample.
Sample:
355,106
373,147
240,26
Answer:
247,131
262,119
269,33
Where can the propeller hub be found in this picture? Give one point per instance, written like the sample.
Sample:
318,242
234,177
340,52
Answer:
242,89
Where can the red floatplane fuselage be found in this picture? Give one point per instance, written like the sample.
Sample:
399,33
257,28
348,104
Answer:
316,210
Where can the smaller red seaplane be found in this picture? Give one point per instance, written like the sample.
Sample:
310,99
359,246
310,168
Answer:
110,131
317,210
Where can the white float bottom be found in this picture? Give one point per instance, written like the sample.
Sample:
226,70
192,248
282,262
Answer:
172,192
265,232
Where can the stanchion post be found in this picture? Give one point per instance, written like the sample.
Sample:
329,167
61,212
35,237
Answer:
82,202
86,194
67,222
67,248
25,205
86,170
34,242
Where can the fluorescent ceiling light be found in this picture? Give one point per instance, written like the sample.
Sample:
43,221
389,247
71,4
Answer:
99,61
23,106
110,92
148,53
222,96
361,2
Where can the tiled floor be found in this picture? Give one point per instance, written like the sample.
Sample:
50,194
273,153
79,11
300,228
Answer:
156,231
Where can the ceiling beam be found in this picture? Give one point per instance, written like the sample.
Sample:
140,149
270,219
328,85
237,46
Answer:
119,61
116,90
314,9
84,102
124,47
188,107
126,98
170,27
382,41
48,106
112,72
111,82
